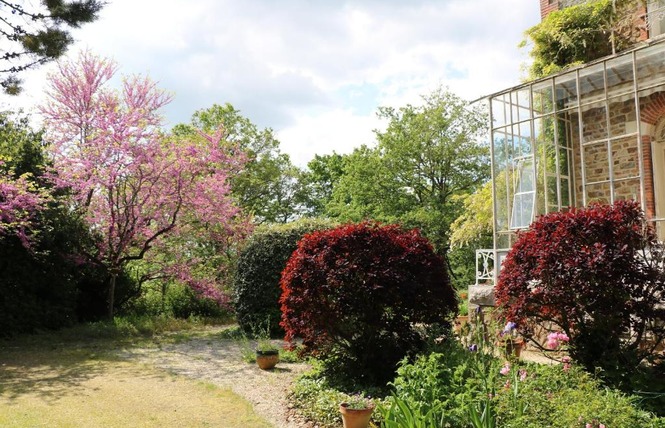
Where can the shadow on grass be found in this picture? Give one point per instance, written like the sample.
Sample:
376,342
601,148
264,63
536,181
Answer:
49,373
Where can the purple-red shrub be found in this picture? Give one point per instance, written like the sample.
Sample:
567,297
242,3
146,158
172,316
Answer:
594,273
356,295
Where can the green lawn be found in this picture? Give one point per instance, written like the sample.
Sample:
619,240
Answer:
68,386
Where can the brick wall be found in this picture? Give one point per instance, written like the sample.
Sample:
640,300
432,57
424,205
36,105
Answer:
548,6
625,152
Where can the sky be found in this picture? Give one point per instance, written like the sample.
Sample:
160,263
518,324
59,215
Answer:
315,71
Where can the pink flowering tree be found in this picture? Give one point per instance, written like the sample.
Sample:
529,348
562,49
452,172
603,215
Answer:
134,185
20,201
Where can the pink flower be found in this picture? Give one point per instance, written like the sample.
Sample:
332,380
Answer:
522,375
601,426
588,425
554,339
505,369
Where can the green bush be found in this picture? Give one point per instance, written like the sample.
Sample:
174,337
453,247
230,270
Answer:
536,395
175,300
316,400
260,264
442,384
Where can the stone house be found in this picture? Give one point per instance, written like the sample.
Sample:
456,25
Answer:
594,133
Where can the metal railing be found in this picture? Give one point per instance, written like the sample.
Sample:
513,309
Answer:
488,265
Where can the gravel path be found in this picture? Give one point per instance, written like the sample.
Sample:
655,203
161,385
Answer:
218,361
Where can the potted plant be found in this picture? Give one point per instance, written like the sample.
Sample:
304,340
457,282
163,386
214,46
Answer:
356,411
512,342
463,317
267,354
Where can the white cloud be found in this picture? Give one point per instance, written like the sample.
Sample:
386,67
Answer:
315,71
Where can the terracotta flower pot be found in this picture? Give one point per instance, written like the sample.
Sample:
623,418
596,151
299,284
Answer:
355,418
460,322
514,347
267,359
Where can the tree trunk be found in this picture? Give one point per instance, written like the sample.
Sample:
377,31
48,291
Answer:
110,298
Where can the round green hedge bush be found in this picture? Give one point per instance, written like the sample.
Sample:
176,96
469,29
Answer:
256,281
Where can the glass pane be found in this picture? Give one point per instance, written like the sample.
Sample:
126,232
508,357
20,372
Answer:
523,104
594,122
548,156
552,193
627,189
565,193
543,100
522,210
525,179
599,192
502,147
620,75
566,123
501,202
565,88
623,119
564,161
503,241
650,66
592,83
625,158
596,162
499,111
523,138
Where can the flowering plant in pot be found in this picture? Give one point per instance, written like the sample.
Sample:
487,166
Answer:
356,411
511,340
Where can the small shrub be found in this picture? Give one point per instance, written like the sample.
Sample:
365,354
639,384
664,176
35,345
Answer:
260,264
175,300
316,400
587,272
536,395
356,295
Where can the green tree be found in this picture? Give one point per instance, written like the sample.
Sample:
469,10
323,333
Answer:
427,156
38,34
269,186
318,182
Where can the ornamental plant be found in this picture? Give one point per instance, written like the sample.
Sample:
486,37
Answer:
131,184
594,277
256,286
357,295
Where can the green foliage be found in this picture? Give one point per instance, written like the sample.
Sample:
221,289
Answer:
560,397
268,187
319,181
260,265
399,414
174,300
314,398
579,34
426,158
44,286
476,221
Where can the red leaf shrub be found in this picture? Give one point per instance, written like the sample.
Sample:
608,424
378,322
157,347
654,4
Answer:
595,274
357,293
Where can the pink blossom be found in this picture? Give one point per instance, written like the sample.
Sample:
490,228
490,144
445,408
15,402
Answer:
505,369
588,425
136,186
601,426
554,339
523,374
